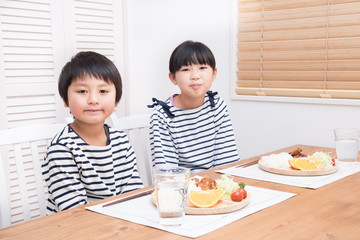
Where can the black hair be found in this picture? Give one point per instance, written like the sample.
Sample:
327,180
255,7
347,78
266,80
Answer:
190,52
89,64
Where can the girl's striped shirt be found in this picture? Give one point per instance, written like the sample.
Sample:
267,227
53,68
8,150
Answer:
198,139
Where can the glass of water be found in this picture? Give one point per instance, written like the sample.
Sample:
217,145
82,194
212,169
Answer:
171,194
347,144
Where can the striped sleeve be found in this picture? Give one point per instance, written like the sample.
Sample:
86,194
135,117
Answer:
198,139
128,176
225,145
162,146
77,173
63,180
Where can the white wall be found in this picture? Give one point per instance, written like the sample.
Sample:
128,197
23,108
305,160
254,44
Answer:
156,27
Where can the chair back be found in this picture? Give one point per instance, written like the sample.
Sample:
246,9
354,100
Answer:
23,190
137,130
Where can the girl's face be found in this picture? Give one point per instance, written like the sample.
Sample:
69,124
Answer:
91,100
194,80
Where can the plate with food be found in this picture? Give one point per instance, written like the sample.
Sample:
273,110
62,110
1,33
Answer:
210,196
296,163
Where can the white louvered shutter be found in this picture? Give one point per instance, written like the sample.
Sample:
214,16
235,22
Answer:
37,38
27,66
96,25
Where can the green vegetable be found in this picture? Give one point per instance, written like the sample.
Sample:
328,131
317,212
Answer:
228,185
322,158
242,185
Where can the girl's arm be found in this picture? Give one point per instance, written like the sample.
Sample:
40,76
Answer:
225,145
162,146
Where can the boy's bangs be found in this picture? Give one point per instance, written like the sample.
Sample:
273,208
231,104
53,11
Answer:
98,72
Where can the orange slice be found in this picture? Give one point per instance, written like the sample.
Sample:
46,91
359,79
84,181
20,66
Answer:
292,163
204,199
304,164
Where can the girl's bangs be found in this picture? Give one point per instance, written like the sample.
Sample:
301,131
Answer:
196,58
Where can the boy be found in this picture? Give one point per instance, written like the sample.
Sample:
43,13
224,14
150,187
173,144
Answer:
88,160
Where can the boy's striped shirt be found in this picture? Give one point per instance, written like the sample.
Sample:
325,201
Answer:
76,172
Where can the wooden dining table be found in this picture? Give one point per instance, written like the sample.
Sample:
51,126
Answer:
329,212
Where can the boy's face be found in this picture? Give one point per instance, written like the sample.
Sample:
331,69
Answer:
194,80
91,100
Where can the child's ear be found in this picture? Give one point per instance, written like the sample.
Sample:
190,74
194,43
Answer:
172,78
214,73
65,105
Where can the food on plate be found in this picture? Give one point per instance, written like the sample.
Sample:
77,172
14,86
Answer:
205,199
205,183
324,160
242,189
317,164
303,164
292,163
239,194
297,153
229,186
207,192
318,160
298,160
280,160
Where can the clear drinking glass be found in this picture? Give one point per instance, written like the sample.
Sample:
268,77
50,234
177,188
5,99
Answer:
171,194
347,144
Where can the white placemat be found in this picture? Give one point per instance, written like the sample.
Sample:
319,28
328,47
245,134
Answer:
254,172
142,211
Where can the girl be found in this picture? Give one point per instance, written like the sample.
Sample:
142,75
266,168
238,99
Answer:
192,129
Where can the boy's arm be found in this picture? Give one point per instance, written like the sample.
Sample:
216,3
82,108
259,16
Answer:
132,181
62,179
225,145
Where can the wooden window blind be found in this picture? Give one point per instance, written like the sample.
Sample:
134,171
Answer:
307,48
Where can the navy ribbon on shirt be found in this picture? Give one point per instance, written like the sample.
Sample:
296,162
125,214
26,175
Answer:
211,97
165,107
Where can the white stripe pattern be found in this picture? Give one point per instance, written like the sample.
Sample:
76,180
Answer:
75,171
198,139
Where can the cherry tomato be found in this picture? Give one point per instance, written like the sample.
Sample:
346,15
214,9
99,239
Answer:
237,196
243,192
333,161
